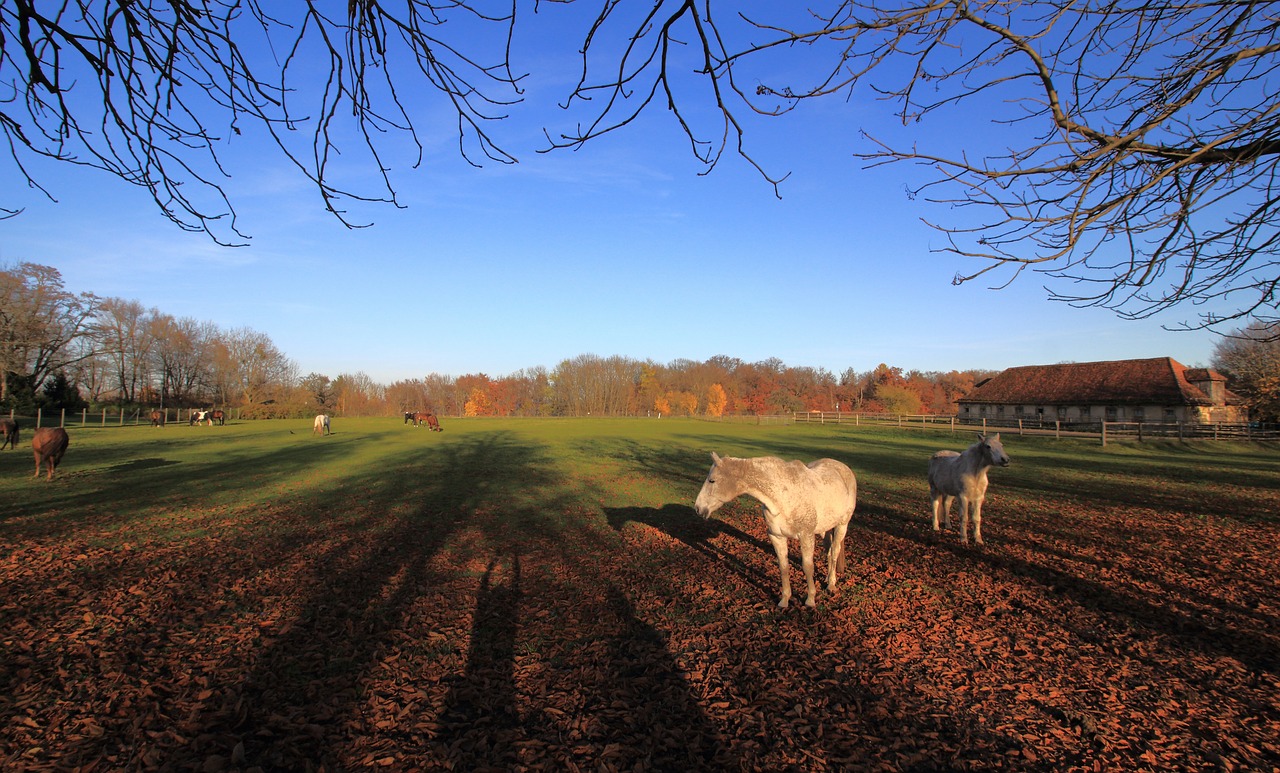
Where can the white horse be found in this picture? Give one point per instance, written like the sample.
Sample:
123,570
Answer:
321,426
800,502
964,475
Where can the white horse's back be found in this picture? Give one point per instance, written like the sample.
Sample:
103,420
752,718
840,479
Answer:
836,493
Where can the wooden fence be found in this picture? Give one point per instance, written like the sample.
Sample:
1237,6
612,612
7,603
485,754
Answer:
1103,431
105,417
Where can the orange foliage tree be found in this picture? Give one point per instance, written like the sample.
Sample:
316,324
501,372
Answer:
716,400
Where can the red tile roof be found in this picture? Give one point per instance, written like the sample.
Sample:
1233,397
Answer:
1160,381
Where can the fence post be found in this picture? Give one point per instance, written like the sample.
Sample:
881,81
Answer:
39,416
84,416
122,416
1019,427
1104,434
953,425
62,421
1057,429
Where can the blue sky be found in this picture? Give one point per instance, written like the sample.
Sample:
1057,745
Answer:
620,248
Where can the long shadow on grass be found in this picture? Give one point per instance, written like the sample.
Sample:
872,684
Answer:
107,488
301,700
364,587
1255,649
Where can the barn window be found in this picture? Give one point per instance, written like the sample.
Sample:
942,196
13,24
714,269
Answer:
1111,413
1062,411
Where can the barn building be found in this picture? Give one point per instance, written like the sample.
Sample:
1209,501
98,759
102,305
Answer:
1157,390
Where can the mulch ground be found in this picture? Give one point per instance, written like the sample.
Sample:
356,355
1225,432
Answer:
1118,638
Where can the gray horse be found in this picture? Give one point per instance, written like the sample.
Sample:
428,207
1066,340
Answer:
800,502
964,475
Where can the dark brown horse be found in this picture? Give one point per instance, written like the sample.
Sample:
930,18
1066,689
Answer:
9,428
217,415
49,444
157,418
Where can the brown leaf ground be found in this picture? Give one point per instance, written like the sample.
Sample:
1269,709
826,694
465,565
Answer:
1108,636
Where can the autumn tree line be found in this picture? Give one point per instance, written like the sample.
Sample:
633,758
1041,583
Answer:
61,350
72,351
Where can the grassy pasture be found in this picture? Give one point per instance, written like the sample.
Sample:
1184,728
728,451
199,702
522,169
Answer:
539,594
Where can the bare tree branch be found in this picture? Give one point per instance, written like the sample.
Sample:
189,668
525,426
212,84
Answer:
155,92
1141,140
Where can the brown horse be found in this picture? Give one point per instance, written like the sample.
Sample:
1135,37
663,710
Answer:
157,418
9,428
49,444
217,415
429,419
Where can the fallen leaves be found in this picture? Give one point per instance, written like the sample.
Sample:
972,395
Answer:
405,638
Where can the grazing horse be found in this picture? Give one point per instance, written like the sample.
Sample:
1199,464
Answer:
410,416
49,444
321,426
157,418
429,419
964,475
201,417
217,415
9,428
800,502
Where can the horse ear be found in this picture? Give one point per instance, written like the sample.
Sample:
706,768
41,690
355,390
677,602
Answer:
996,436
715,458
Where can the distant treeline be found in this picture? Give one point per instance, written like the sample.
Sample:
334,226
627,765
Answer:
60,350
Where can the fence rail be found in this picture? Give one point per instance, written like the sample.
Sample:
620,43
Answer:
103,417
1104,431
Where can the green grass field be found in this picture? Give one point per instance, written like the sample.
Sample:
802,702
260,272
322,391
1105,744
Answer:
539,593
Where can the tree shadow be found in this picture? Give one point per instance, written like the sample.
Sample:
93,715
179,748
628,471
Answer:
484,696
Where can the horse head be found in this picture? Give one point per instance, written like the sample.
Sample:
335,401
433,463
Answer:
993,451
718,488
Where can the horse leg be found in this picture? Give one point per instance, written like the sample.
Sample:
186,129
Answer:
806,559
780,547
964,518
977,520
835,554
830,535
935,501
